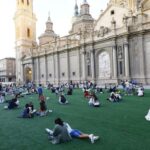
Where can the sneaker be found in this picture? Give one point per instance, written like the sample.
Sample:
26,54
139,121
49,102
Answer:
96,138
50,111
33,111
49,131
5,107
91,137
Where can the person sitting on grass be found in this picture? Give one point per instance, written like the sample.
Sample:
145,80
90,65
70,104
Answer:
101,91
86,94
43,108
93,101
1,98
114,97
140,92
69,92
28,111
59,134
75,133
52,89
62,99
14,103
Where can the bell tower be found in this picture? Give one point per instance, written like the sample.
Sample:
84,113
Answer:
25,27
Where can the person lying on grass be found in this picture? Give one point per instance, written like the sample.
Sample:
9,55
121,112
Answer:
75,132
59,134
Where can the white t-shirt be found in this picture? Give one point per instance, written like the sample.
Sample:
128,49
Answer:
68,127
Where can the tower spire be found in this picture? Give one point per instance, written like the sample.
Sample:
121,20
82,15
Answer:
49,24
76,9
49,18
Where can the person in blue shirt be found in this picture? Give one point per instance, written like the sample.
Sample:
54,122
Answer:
40,90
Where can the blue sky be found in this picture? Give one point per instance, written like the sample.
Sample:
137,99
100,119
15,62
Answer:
61,12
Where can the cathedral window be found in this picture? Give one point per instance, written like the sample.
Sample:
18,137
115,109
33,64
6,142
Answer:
63,74
112,12
23,1
73,73
89,70
28,33
120,68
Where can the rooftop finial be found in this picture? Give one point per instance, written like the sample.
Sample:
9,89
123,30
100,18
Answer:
49,14
49,18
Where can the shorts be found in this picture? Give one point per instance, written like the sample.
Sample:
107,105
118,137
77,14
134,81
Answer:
75,133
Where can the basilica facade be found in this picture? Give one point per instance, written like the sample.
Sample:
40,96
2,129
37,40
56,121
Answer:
114,47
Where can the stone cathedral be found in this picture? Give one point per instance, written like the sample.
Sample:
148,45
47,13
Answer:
114,47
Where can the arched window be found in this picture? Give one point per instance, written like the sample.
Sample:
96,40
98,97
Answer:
23,1
28,33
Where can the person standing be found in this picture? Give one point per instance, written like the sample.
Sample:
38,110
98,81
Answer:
40,90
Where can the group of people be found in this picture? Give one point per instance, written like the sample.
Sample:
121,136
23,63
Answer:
62,131
28,110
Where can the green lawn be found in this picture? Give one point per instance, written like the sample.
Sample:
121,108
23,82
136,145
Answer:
121,126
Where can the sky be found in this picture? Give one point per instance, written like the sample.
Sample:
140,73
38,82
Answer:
61,13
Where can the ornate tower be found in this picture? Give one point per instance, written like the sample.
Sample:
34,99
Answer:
49,34
25,26
76,13
84,8
82,21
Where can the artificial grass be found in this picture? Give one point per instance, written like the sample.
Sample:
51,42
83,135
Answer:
121,126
